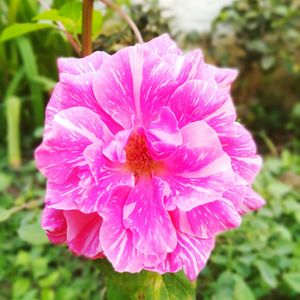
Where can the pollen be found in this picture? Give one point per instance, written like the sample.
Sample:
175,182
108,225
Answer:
138,159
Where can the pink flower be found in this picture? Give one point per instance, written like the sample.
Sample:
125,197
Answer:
144,160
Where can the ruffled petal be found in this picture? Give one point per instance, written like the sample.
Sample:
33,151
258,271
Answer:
252,201
83,233
106,177
115,149
87,64
77,90
163,134
186,67
207,220
191,255
145,215
64,196
195,100
201,153
238,143
199,171
247,167
116,240
224,77
54,223
62,149
162,45
133,85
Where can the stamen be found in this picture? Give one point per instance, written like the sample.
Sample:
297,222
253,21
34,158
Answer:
138,159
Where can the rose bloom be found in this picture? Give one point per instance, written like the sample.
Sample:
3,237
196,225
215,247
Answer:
144,161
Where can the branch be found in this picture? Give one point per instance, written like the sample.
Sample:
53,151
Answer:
61,27
27,205
126,17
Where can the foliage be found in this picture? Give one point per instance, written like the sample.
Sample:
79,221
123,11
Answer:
260,260
261,38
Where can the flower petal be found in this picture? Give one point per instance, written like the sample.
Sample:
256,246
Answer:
247,167
191,255
207,220
116,240
186,67
252,201
201,148
224,77
199,171
238,143
145,215
163,134
163,45
133,83
77,90
87,64
62,149
53,221
195,100
83,233
106,178
63,196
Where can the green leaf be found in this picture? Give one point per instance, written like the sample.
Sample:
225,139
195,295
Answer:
30,230
49,281
146,285
97,24
224,287
19,29
31,70
293,280
53,15
13,114
5,181
242,290
72,10
20,287
39,267
267,273
4,214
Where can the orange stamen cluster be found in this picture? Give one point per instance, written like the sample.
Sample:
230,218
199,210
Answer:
138,159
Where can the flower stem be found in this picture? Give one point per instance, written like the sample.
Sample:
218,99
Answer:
87,20
126,17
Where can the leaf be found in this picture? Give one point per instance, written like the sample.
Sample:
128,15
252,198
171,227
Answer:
31,71
20,287
224,286
5,181
146,285
293,280
33,234
19,29
13,114
72,10
4,214
53,15
97,24
30,230
242,290
267,62
267,273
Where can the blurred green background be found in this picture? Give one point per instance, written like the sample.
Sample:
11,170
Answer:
260,260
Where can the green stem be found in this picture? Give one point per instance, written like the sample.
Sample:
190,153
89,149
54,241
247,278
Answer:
87,20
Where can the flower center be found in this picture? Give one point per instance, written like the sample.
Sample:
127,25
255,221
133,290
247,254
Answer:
138,159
